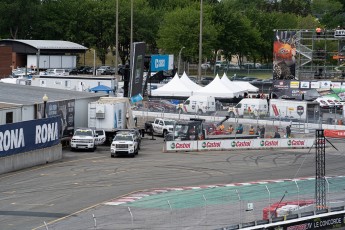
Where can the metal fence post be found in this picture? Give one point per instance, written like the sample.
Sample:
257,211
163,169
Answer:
94,221
239,198
132,220
269,203
327,196
299,212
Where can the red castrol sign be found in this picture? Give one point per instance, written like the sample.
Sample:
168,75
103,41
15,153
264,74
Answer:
211,144
241,144
295,143
181,145
269,143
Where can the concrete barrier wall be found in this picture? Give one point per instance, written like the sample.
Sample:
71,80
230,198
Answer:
30,159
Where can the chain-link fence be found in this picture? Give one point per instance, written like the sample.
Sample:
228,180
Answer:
210,207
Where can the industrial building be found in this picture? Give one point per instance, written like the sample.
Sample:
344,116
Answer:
24,102
37,54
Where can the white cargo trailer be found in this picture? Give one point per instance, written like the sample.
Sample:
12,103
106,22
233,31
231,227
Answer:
293,109
110,114
51,61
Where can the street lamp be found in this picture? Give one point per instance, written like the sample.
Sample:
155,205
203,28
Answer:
45,99
179,60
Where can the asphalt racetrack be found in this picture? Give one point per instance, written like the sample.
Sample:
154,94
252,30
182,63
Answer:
156,190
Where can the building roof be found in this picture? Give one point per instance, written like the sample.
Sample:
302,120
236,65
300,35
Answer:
28,95
8,105
28,46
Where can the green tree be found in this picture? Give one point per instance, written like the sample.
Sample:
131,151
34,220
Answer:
18,17
180,28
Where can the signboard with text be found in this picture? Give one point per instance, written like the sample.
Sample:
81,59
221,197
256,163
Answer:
29,135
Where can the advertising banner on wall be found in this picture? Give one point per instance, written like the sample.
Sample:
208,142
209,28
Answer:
64,109
182,146
137,68
284,53
29,135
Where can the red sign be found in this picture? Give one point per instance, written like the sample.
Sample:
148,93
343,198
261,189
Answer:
334,133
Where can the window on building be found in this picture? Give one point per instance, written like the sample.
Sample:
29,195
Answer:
9,117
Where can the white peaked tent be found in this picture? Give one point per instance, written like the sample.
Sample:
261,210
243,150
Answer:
232,85
246,85
175,87
189,83
217,89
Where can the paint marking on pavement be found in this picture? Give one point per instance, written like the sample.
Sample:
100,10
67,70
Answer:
156,191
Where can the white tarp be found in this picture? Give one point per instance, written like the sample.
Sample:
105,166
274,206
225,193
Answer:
246,85
189,83
217,89
232,85
175,87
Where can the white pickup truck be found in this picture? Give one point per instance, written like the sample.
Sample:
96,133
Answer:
160,126
124,143
84,138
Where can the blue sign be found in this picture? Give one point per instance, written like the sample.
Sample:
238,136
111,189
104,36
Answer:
136,98
159,62
29,135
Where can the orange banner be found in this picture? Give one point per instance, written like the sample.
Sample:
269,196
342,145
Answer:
334,133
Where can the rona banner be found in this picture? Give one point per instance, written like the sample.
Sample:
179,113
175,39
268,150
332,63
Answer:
29,135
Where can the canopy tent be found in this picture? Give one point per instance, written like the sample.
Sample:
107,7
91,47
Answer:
189,83
232,85
246,85
175,87
217,89
101,88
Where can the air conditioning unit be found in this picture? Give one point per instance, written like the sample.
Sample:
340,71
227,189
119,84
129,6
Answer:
100,111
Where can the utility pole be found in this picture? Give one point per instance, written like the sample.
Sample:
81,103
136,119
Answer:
200,43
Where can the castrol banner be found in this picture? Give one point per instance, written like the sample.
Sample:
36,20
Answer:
334,133
266,143
238,144
212,144
296,143
182,145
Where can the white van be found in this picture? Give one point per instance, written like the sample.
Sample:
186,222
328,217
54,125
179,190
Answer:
253,107
198,104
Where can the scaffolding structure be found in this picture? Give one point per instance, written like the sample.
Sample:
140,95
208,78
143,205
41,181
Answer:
320,175
320,56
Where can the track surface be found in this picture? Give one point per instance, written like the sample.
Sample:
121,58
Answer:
83,180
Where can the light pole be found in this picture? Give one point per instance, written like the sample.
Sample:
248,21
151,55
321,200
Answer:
179,60
116,36
94,62
45,99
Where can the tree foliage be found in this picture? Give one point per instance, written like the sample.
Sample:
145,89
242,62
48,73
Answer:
233,27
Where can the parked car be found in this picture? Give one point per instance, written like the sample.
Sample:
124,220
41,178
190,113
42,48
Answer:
101,69
109,71
85,70
249,78
160,106
231,66
73,71
237,78
323,103
251,65
206,65
206,80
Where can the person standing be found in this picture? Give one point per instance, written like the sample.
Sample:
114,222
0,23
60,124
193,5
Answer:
288,131
251,130
262,132
239,129
230,129
318,31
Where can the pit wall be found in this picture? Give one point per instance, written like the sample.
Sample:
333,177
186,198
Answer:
233,144
29,159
